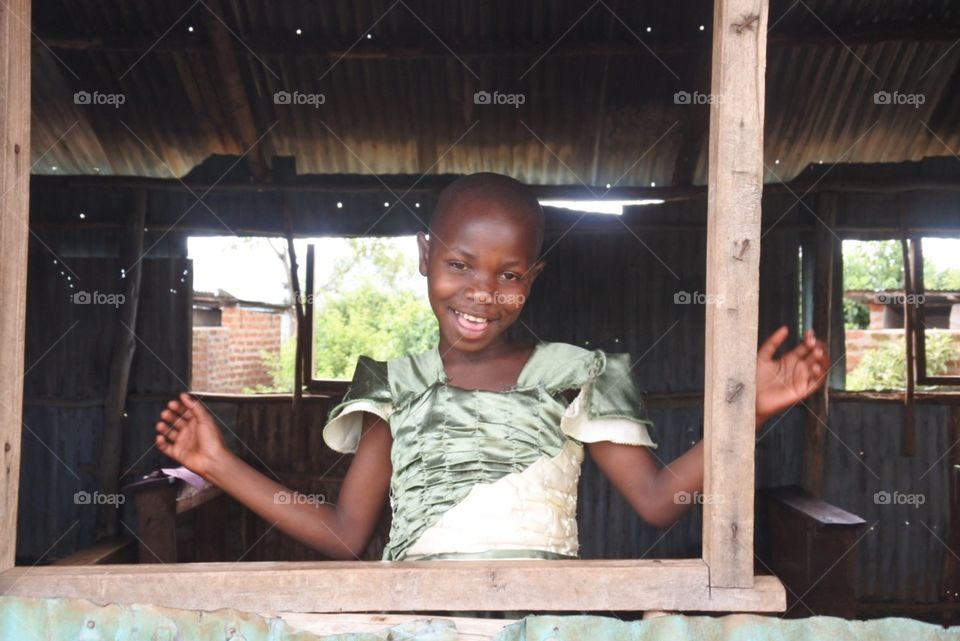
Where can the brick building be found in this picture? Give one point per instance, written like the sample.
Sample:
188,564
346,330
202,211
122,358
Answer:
941,312
230,337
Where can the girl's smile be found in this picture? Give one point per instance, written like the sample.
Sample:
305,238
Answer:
472,325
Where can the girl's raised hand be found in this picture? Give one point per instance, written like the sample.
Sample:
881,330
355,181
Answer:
188,434
785,381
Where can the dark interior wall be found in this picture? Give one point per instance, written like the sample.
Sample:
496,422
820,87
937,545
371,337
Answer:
68,350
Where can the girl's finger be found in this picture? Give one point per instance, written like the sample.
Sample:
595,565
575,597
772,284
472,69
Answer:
167,431
170,417
802,351
195,407
773,342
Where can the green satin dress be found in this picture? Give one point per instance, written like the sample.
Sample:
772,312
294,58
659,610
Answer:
448,440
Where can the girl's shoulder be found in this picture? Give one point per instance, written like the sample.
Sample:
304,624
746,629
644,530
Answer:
563,366
556,366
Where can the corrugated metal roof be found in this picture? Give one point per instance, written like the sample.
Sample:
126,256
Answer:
598,87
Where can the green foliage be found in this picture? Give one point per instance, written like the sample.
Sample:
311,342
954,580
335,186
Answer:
872,265
280,366
363,307
855,315
374,323
884,368
878,265
934,278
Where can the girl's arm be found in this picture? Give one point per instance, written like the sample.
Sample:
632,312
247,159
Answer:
188,434
662,495
652,491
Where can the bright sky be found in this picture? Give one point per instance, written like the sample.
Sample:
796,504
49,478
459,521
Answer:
943,252
254,272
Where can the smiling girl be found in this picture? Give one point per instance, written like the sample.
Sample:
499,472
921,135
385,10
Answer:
478,442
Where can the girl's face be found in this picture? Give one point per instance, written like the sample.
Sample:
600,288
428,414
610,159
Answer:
479,267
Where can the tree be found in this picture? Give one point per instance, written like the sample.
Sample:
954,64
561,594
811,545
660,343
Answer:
363,306
371,322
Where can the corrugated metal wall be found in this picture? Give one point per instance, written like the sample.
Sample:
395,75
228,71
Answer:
903,557
67,363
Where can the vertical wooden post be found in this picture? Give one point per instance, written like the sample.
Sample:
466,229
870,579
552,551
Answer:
14,218
825,253
733,275
121,362
951,565
908,248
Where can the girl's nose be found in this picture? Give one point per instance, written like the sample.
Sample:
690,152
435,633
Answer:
480,295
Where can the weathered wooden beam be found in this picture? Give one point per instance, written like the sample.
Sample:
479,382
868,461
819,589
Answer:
14,219
105,553
733,282
237,101
359,184
121,361
908,437
358,586
950,586
309,45
817,408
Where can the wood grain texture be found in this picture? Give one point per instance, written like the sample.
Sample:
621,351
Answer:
335,586
14,216
732,306
826,252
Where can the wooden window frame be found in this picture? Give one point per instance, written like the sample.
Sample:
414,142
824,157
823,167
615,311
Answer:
722,580
915,287
305,351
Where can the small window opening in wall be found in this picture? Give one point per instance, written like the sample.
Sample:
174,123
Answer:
368,298
874,305
598,206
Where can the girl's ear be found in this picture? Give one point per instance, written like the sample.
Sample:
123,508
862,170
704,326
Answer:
535,271
423,243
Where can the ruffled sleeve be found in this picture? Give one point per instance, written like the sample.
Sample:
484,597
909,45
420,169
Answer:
609,406
369,392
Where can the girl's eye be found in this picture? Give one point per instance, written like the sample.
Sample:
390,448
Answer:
510,276
457,265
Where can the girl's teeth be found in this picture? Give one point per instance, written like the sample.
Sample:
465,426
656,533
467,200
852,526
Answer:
474,319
